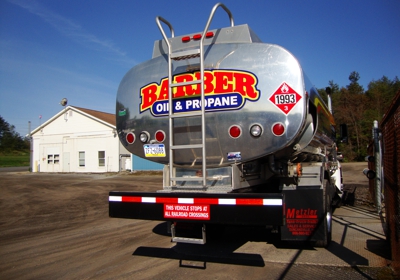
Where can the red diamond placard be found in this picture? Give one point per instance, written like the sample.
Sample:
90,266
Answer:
285,98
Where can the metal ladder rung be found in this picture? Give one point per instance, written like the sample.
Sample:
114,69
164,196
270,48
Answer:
207,139
188,240
185,115
185,54
187,178
190,146
209,157
196,178
185,83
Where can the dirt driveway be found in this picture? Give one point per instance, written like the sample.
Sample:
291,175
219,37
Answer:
56,226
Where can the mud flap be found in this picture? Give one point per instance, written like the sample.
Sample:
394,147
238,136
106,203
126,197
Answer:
305,216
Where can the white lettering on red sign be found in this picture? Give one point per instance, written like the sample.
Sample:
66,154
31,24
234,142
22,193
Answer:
285,98
187,211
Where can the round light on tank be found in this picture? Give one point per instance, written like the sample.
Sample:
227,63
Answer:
235,131
160,136
255,130
278,129
130,138
144,137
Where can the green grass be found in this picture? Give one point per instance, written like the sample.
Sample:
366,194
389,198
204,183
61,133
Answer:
14,159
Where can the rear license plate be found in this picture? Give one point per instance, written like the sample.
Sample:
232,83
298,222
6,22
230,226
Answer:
154,150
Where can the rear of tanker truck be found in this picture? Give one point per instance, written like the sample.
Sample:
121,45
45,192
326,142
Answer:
257,153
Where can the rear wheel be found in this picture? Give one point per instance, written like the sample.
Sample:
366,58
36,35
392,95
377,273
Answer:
327,219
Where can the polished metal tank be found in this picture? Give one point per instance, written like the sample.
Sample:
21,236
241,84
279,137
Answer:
247,83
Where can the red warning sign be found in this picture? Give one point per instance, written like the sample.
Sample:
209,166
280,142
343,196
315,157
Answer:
285,98
187,211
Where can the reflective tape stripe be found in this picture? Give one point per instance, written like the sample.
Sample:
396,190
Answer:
226,201
249,201
186,200
149,199
170,200
115,198
272,201
209,201
131,199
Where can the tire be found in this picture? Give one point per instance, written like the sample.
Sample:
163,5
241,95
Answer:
327,222
337,201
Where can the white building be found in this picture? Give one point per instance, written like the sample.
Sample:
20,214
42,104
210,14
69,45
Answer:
78,140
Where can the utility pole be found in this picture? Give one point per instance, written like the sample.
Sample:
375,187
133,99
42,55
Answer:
378,167
30,147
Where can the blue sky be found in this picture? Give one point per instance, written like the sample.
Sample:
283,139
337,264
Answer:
81,49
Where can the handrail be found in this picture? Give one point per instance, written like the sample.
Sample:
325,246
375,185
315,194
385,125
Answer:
202,97
212,15
158,19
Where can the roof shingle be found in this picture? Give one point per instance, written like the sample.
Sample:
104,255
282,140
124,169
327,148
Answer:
106,117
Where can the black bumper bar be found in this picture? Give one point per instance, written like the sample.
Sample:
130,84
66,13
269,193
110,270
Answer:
233,208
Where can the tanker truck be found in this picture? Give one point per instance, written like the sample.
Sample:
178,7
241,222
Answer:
244,137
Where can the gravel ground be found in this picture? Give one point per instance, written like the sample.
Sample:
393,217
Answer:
56,226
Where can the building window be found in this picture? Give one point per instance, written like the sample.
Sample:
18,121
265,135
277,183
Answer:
81,158
102,158
53,159
56,159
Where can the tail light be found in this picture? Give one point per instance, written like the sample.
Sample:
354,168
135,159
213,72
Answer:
278,129
186,39
235,131
160,136
130,138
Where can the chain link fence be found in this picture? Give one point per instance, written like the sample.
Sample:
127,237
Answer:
390,130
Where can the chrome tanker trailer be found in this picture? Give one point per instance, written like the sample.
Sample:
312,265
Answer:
244,137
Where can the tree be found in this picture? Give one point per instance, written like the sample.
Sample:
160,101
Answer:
380,94
354,77
349,104
10,140
358,109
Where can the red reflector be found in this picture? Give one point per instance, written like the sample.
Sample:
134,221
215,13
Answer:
210,34
160,136
185,39
197,37
278,129
235,131
130,138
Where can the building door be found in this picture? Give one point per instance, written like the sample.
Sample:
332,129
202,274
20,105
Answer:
66,162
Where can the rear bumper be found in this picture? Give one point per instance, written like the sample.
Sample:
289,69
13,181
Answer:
234,209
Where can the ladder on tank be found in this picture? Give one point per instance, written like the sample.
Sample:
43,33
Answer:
182,55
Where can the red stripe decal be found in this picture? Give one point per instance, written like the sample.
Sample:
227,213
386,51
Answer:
166,200
131,199
206,201
249,201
